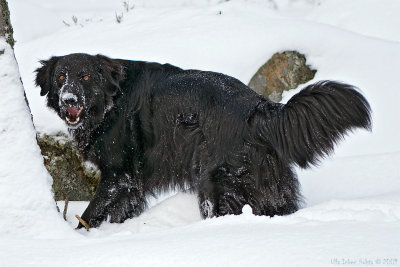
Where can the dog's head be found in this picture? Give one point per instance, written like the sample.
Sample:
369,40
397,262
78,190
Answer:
79,86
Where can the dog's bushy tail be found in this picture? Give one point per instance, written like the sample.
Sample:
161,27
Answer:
314,120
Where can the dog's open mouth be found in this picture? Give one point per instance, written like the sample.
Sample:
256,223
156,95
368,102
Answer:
73,115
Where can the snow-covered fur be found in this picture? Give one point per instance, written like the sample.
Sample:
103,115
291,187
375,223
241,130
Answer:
150,127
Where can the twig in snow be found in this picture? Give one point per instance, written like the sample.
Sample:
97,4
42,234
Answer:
75,20
83,222
65,208
118,18
58,209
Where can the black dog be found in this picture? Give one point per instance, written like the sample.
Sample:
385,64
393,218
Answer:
151,127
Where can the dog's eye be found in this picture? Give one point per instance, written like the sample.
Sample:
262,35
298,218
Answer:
86,78
61,77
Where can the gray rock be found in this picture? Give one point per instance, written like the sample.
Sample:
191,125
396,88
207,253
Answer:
284,71
72,177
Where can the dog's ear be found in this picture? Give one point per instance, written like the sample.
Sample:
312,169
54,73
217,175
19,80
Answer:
44,75
112,72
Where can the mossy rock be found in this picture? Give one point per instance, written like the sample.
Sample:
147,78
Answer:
72,177
283,71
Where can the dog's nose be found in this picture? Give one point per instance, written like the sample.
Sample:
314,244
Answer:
69,99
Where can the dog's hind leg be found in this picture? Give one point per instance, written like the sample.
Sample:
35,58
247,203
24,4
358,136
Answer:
228,189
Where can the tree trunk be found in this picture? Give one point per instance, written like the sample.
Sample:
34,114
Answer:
6,29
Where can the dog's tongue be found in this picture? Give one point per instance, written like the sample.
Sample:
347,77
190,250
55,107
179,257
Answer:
73,111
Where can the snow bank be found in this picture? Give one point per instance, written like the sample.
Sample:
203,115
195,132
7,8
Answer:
354,230
27,208
352,177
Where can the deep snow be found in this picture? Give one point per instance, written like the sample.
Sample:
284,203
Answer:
24,182
351,208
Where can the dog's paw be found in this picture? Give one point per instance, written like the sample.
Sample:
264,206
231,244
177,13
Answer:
125,208
93,216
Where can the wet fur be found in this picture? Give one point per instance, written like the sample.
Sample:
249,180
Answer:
205,131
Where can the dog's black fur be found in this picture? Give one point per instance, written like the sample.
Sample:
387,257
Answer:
150,127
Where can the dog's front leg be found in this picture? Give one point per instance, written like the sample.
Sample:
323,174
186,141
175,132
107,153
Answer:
118,197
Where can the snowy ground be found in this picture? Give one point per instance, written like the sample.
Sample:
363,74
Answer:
351,213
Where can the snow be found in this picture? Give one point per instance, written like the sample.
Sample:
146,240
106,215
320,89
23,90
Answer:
24,182
68,96
351,213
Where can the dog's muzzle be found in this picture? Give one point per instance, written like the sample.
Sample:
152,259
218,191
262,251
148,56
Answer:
73,110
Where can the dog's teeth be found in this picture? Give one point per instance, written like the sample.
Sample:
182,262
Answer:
72,122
